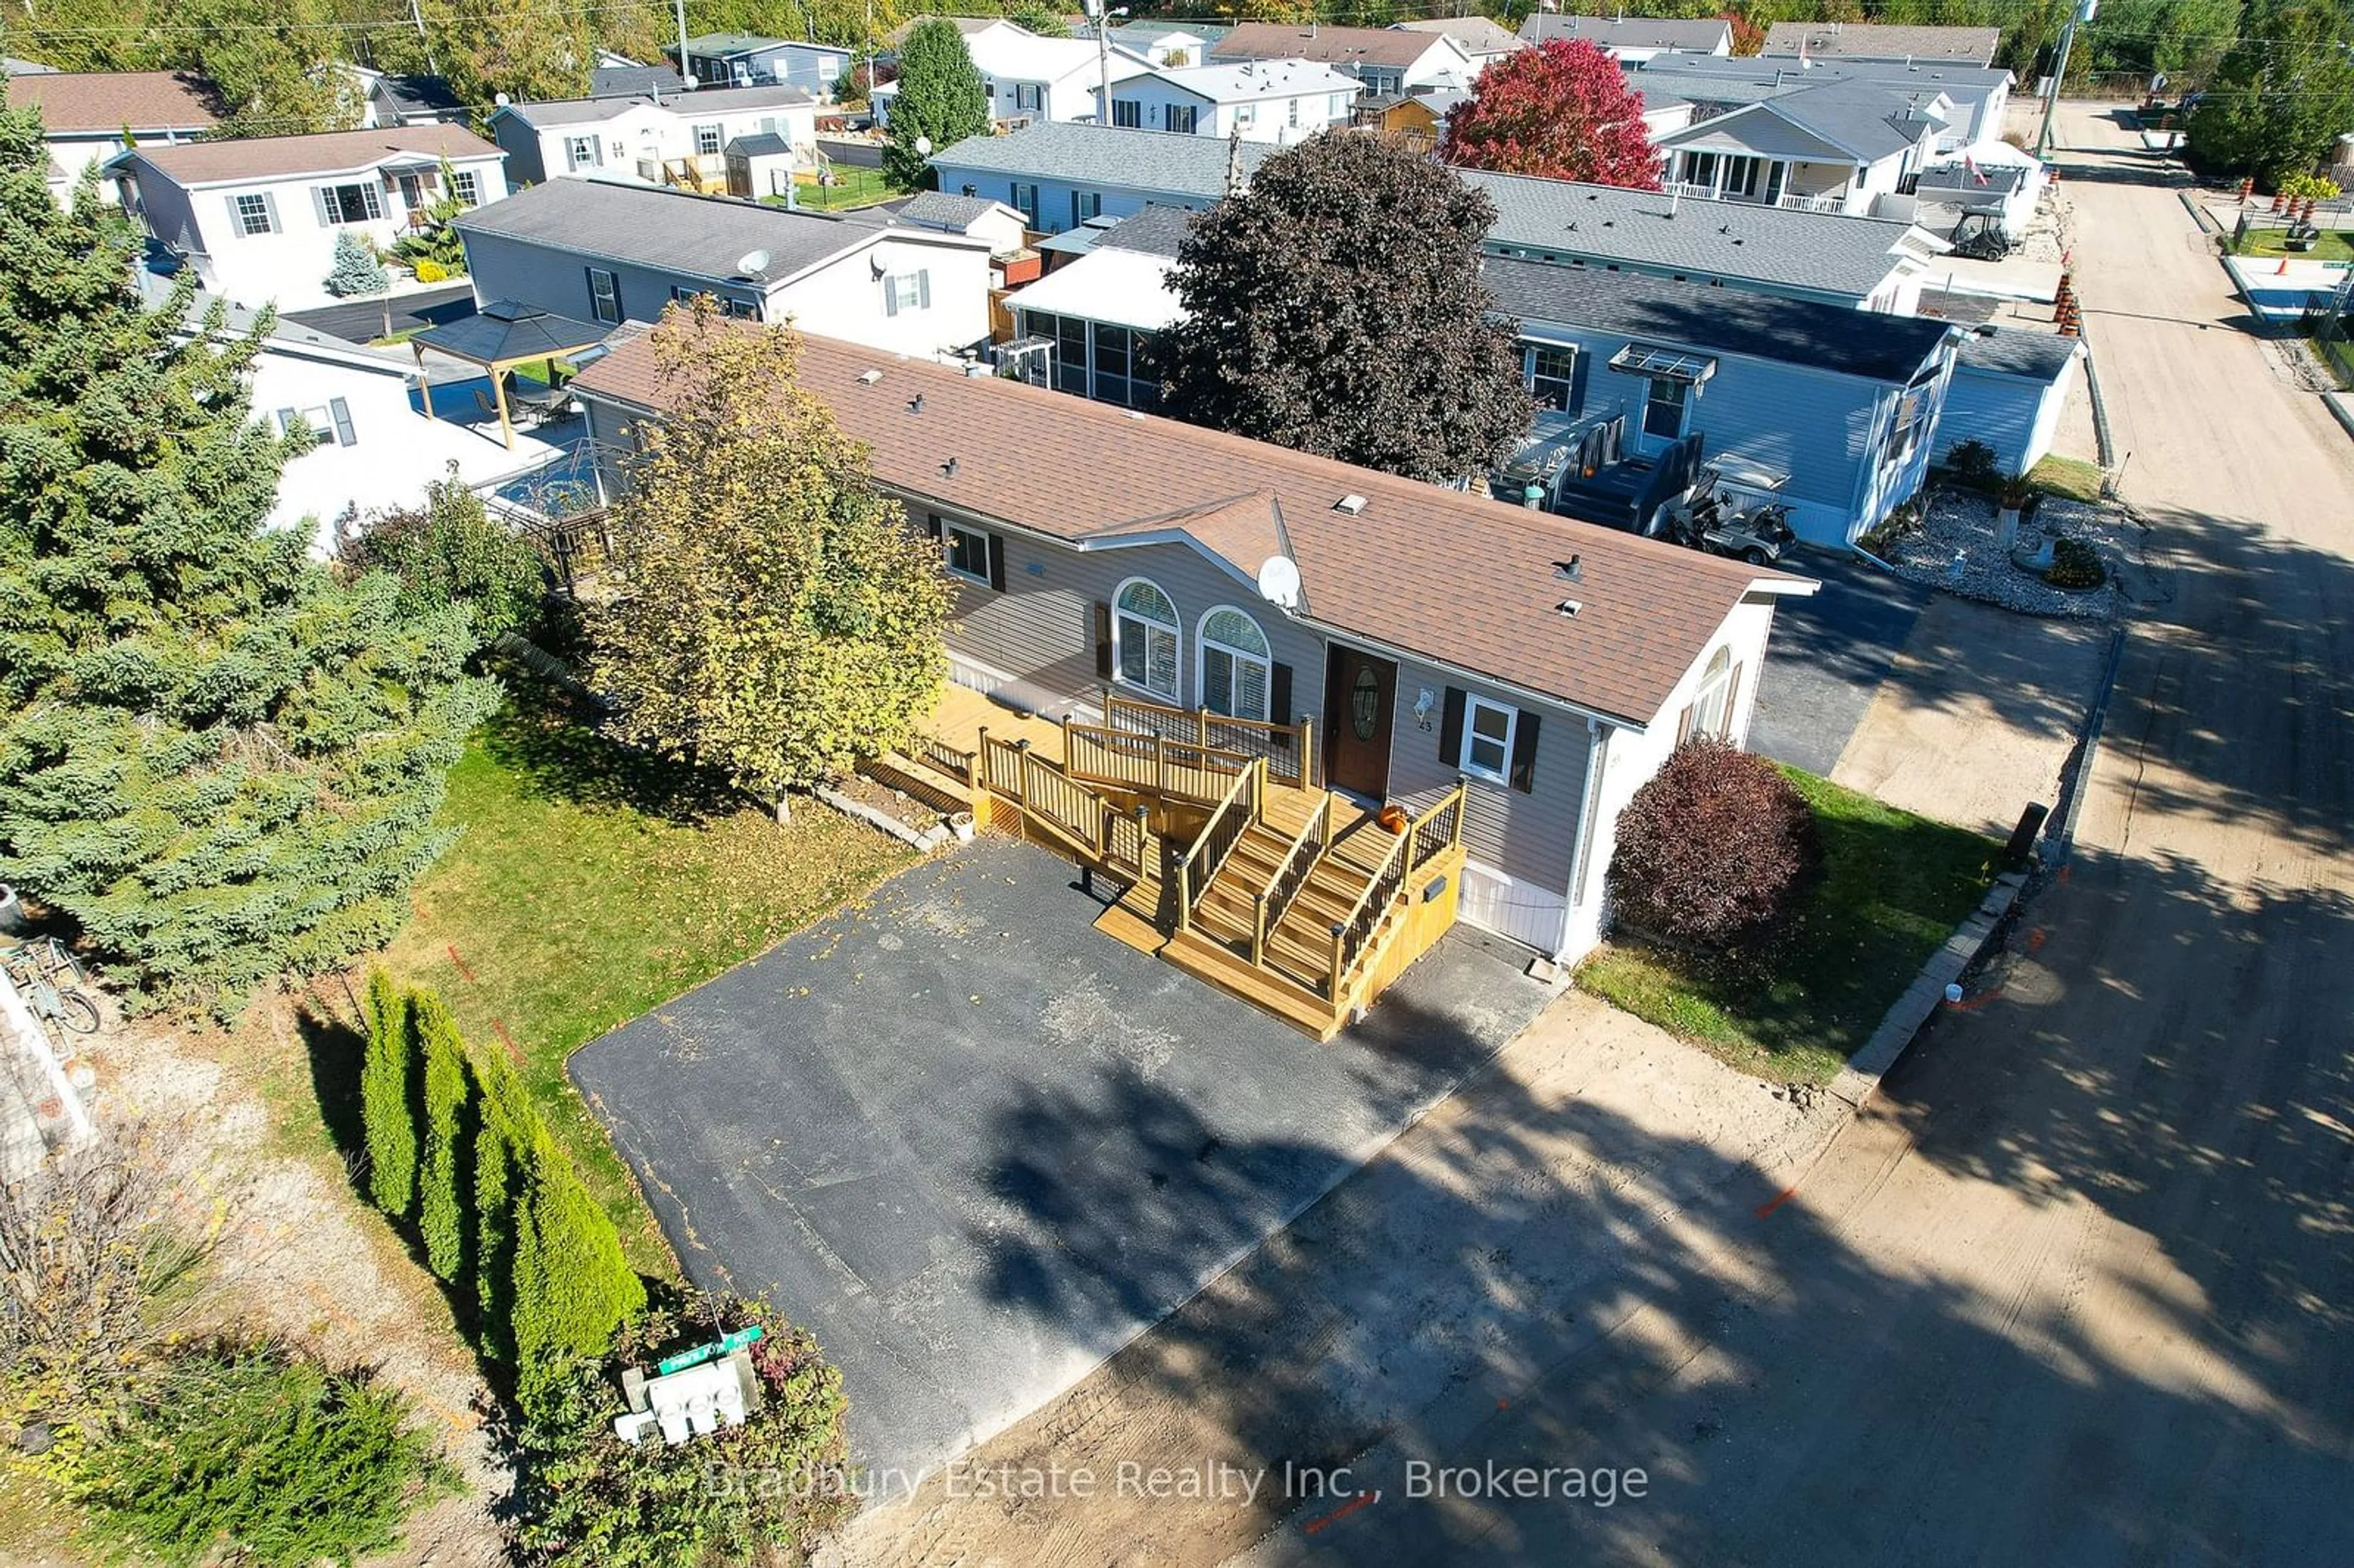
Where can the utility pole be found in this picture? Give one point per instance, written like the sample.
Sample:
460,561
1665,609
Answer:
2085,11
684,75
1102,9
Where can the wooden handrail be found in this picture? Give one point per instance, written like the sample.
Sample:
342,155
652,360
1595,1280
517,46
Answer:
1291,873
1209,849
1406,856
1289,747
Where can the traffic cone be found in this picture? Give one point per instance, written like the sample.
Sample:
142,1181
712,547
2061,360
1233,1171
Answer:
2281,271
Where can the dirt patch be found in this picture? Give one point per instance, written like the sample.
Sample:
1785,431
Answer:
306,1259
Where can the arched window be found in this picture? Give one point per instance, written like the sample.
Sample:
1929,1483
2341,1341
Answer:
1235,664
1144,633
1712,708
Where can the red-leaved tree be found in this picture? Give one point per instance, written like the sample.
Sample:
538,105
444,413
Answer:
1748,33
1564,111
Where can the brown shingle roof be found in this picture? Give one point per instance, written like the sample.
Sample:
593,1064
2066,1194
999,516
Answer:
109,101
328,152
1458,579
1332,45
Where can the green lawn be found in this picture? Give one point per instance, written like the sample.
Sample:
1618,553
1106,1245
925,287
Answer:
1893,887
2333,244
2071,477
858,187
591,885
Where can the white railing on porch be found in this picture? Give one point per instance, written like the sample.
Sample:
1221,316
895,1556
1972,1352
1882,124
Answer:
1796,203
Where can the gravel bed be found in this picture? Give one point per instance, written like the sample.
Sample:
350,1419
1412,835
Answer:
1954,548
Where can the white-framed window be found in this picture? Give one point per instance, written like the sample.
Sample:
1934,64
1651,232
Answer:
466,184
1488,738
604,295
706,141
1292,107
1245,115
1552,375
1711,712
904,292
1085,204
1185,117
1664,409
327,423
1235,665
1144,633
1339,107
584,153
340,205
1909,424
1024,200
1028,96
256,214
1127,113
966,552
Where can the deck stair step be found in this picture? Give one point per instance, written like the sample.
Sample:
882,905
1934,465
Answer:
1212,962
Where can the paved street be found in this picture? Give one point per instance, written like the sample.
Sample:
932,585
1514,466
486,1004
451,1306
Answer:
2073,1291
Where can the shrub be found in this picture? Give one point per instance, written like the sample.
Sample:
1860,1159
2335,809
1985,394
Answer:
388,1117
450,552
503,1119
1713,850
268,1454
588,1497
2308,187
1972,462
440,1221
2075,564
429,271
356,268
572,1286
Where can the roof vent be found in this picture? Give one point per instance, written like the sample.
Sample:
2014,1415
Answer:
1572,570
949,468
916,404
1569,608
869,378
1351,504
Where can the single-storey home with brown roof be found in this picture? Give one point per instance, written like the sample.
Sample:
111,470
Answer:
258,216
1431,636
87,117
1383,61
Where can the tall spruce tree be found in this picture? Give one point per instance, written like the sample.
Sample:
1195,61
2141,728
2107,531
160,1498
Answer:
444,1163
941,100
388,1114
220,762
1335,307
573,1287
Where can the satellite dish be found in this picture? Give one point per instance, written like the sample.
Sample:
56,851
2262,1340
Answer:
923,146
752,264
1279,582
502,100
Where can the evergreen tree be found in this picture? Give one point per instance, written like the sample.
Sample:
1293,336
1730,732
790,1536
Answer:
779,619
356,269
1335,307
220,762
440,1210
388,1111
2280,97
504,1140
573,1287
940,100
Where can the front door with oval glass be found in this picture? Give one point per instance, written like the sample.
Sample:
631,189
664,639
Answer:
1360,701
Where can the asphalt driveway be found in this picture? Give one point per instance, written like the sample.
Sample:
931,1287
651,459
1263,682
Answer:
977,1147
1827,656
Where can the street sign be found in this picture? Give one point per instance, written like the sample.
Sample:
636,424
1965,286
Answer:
725,1344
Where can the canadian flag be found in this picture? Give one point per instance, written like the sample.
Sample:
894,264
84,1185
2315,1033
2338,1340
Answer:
1976,173
1803,63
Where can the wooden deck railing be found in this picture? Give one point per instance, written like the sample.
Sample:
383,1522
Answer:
957,764
1088,822
1288,749
1437,829
1130,760
1244,803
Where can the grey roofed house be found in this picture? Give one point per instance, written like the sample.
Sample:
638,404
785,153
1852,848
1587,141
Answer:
1698,34
1822,336
410,98
1477,35
634,81
1853,116
1156,230
553,111
1876,40
2010,351
940,209
1819,252
1073,150
671,230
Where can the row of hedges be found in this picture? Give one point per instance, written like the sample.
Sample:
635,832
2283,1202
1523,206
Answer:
459,1157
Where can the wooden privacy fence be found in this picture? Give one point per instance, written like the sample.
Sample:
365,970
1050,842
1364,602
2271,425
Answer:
1065,807
1287,749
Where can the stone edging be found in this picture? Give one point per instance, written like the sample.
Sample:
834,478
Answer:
1860,1077
924,841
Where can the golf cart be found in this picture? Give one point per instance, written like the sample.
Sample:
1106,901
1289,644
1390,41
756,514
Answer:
1981,237
1729,512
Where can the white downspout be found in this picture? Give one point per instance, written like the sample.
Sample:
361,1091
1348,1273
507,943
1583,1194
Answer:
1598,759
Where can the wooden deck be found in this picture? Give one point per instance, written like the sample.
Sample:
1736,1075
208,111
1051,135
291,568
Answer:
1226,860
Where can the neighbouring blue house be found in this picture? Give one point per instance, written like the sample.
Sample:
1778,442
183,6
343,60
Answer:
1060,176
2009,391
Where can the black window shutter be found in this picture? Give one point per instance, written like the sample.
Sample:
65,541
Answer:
932,524
1577,368
1278,694
1450,729
1103,641
997,562
1524,753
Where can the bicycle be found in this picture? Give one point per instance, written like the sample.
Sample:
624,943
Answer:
51,981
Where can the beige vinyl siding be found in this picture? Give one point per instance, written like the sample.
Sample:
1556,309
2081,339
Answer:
1532,837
